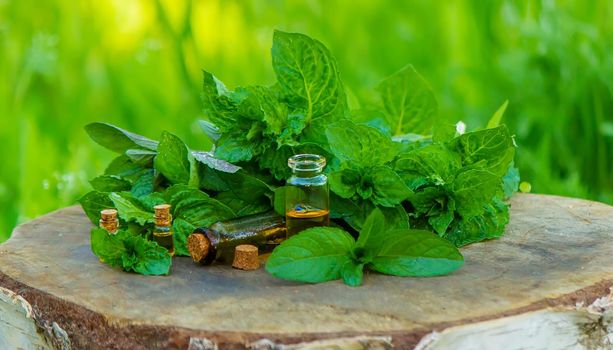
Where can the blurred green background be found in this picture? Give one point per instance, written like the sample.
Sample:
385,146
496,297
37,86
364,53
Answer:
65,63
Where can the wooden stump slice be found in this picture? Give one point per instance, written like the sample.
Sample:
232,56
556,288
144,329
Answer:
545,282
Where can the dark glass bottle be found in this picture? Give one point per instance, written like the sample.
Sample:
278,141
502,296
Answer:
218,241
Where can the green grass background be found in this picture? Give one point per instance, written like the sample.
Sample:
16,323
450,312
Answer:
137,64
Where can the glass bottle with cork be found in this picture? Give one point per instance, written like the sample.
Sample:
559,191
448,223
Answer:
218,241
307,202
109,221
163,232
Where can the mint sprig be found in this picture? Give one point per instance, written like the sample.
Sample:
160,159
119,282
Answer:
132,253
322,254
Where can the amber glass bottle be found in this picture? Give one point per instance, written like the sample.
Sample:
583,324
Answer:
307,202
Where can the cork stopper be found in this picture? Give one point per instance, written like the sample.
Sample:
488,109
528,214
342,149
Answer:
109,221
199,247
246,257
162,215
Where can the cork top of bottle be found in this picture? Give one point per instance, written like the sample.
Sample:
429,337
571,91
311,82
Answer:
109,221
162,215
199,247
108,214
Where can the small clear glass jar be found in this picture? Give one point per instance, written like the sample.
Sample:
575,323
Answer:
307,202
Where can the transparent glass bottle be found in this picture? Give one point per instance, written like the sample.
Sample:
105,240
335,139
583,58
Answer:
163,232
307,202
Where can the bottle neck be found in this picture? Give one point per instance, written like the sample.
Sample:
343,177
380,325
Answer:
306,173
306,165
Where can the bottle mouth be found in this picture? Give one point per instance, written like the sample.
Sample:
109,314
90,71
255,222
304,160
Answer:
307,162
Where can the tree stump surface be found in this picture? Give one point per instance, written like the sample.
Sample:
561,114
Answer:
555,260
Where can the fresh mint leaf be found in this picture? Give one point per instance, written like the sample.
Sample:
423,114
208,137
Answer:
145,257
289,135
409,102
472,189
341,208
93,202
261,105
210,129
355,215
373,233
344,182
388,189
241,184
490,149
416,253
144,184
396,217
123,167
212,180
117,139
497,117
108,248
441,216
359,145
172,159
352,273
218,103
243,207
308,76
408,142
196,207
426,199
488,225
443,130
373,118
181,230
279,200
276,161
466,195
208,159
141,157
131,209
314,255
432,164
150,200
235,148
110,183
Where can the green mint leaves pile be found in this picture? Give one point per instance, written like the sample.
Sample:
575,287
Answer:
322,254
132,253
394,156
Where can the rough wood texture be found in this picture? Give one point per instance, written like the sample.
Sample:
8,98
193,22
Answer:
557,252
17,326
